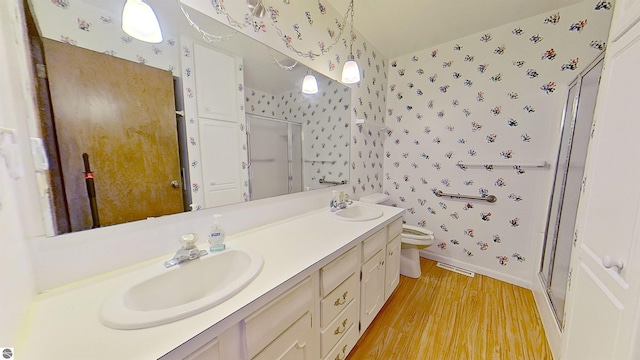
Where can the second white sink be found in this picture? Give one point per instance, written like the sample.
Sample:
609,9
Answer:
159,296
357,213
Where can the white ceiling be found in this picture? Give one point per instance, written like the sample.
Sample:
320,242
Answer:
400,27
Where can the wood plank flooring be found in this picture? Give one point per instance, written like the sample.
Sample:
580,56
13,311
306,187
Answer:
444,315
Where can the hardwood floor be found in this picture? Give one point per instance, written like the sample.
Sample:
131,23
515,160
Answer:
445,315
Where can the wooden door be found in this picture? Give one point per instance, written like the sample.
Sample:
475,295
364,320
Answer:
602,312
122,114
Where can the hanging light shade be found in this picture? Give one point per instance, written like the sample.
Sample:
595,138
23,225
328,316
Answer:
309,84
139,21
350,71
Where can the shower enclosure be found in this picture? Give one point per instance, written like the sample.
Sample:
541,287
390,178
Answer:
275,157
576,132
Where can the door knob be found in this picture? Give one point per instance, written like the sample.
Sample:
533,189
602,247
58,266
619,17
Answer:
608,262
175,184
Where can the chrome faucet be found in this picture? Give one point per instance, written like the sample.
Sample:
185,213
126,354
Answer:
340,204
189,251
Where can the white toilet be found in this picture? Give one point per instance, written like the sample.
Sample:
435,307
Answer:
414,238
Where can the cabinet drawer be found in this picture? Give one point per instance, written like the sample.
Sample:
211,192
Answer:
342,349
294,343
334,273
395,229
373,244
263,326
340,325
338,299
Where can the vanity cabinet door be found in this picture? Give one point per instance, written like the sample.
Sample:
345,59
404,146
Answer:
371,289
392,266
269,330
293,344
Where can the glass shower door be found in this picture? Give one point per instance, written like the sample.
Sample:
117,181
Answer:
576,132
268,157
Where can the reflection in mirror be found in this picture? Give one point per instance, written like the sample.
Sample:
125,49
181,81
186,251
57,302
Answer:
175,126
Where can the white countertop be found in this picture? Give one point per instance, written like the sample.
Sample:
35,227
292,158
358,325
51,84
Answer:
64,323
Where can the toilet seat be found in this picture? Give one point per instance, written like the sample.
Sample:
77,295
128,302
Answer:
413,235
416,233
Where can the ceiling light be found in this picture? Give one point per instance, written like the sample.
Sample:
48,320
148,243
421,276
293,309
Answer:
351,70
309,84
139,21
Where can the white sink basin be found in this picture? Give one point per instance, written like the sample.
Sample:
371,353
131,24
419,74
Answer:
159,295
357,213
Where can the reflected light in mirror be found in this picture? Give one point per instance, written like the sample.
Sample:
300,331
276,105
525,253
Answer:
140,21
309,84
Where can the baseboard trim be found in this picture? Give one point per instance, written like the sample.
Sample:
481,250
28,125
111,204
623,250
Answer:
477,269
551,329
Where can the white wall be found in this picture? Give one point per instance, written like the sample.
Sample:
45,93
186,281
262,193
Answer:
489,98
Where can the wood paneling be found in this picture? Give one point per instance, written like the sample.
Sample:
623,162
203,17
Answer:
445,315
122,114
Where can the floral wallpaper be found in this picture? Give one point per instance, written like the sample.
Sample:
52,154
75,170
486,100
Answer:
325,125
476,116
300,28
78,23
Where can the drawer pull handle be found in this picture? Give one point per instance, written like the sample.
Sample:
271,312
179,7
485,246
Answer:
391,253
344,351
342,328
381,262
339,301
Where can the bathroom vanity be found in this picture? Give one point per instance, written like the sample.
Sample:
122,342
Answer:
322,283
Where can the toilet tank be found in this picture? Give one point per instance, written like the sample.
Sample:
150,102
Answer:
376,198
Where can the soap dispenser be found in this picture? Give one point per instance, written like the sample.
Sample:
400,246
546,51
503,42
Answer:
216,235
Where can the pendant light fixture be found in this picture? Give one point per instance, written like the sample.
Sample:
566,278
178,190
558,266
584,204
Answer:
139,21
309,84
351,70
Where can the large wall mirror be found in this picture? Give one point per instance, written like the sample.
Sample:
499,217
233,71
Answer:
157,129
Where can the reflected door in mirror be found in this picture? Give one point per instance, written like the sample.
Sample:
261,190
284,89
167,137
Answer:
122,114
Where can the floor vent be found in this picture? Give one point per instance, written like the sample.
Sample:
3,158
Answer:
456,269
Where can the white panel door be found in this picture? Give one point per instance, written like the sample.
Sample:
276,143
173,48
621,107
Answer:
603,302
221,170
626,15
216,84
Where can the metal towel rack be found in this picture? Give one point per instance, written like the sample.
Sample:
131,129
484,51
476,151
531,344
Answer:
488,198
341,182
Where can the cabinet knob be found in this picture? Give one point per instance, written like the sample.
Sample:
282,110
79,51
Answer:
175,184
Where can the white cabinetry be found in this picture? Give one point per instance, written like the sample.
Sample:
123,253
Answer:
221,123
392,266
216,84
283,328
339,305
321,317
392,263
373,278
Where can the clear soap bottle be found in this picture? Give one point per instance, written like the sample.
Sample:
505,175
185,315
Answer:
216,235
